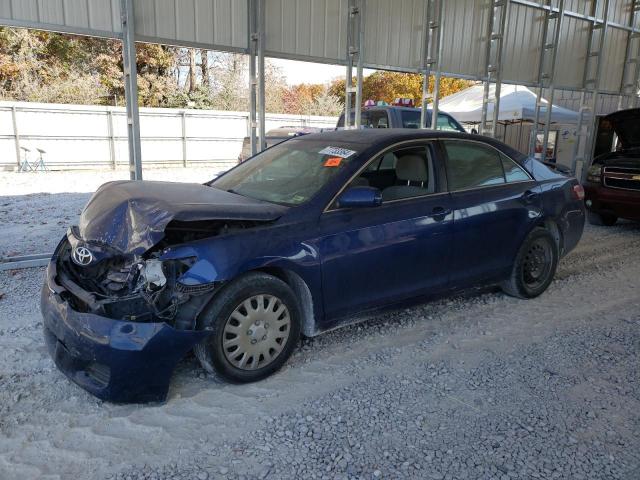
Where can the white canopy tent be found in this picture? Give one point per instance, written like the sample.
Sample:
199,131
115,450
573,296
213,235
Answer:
517,104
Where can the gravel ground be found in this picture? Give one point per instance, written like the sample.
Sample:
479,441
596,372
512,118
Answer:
477,386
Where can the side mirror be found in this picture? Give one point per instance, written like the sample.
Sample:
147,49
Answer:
358,197
474,131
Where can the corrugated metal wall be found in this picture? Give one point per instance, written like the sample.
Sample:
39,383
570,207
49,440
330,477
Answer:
316,30
217,24
100,17
312,29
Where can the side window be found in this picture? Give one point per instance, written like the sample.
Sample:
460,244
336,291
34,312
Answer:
446,123
512,171
403,173
471,164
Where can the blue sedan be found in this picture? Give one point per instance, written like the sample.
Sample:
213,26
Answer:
304,237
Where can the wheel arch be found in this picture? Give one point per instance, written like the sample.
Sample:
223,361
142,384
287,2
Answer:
302,291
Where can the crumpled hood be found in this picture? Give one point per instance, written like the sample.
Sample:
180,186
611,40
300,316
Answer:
626,124
131,216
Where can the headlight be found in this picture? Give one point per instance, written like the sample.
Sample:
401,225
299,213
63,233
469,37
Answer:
594,173
153,274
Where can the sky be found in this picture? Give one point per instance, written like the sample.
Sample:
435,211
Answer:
306,72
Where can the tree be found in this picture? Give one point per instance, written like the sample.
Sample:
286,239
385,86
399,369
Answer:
385,85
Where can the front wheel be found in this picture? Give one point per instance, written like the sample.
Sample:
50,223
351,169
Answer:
255,324
535,265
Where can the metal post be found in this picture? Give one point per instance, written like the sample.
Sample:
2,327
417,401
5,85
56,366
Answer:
352,11
261,94
253,44
183,119
131,88
551,77
112,140
358,105
493,63
539,95
16,134
499,38
436,81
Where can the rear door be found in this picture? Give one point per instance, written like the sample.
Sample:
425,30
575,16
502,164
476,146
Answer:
400,249
495,203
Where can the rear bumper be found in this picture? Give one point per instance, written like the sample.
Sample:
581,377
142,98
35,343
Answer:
618,202
572,226
114,360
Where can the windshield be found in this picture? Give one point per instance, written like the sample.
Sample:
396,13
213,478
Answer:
289,173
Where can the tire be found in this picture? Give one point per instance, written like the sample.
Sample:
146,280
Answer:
534,267
603,219
255,324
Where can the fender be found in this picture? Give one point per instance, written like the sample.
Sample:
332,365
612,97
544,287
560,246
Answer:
225,258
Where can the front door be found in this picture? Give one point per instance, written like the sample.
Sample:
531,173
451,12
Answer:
377,255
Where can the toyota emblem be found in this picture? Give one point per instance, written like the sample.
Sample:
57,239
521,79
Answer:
82,256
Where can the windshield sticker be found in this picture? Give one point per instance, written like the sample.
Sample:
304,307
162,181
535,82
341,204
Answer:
333,162
337,152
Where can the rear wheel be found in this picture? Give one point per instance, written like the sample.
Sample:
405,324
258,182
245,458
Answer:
255,322
535,265
605,219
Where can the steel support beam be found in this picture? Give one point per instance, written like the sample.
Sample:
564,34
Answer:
355,40
591,83
427,58
438,65
131,88
552,73
498,14
253,80
358,105
260,15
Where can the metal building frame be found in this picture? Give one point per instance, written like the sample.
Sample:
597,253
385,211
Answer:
498,14
546,72
591,88
246,26
354,54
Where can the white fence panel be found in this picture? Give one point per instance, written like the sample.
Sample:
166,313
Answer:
78,136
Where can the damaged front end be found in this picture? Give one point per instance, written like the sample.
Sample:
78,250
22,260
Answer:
129,287
121,310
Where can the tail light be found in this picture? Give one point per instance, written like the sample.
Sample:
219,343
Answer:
577,192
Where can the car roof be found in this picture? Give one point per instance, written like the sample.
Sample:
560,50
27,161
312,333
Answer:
371,136
394,107
381,137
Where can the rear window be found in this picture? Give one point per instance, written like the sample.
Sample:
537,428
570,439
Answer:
471,165
410,118
369,119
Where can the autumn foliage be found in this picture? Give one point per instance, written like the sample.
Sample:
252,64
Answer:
384,85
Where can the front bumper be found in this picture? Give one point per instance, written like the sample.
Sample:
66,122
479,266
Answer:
615,201
115,360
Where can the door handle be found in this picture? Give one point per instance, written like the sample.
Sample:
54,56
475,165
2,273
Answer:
439,213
